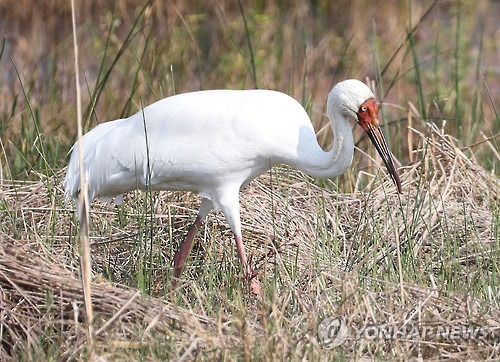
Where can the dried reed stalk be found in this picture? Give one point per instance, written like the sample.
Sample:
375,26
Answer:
84,205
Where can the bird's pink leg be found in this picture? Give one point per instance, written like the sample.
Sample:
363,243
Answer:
230,206
183,252
250,275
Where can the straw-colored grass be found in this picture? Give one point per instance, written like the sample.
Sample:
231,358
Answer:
370,257
349,248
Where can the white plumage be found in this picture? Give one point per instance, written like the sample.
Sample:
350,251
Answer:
213,143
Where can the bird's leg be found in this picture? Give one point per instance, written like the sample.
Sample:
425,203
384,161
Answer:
184,250
231,208
250,274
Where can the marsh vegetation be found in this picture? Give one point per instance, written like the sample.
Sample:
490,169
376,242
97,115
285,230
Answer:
350,247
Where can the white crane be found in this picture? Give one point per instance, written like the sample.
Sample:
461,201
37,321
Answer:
214,143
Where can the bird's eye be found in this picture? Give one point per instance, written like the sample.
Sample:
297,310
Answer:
363,108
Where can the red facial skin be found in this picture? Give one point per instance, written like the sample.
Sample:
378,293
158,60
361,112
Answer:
368,114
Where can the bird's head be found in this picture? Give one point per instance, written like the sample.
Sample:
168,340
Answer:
354,100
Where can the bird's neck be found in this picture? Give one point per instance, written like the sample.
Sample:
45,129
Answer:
321,164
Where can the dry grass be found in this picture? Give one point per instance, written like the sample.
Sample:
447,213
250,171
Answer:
350,247
319,253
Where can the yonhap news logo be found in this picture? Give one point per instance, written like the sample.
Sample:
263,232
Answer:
335,331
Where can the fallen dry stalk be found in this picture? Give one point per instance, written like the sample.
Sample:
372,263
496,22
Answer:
28,281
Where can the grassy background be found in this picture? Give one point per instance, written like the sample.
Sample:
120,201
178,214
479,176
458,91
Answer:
132,55
348,248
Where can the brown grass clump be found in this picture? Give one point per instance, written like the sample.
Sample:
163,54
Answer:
370,258
40,297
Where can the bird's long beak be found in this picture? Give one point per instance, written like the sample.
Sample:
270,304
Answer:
377,137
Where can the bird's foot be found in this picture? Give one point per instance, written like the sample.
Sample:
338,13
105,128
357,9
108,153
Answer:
253,282
254,286
173,283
